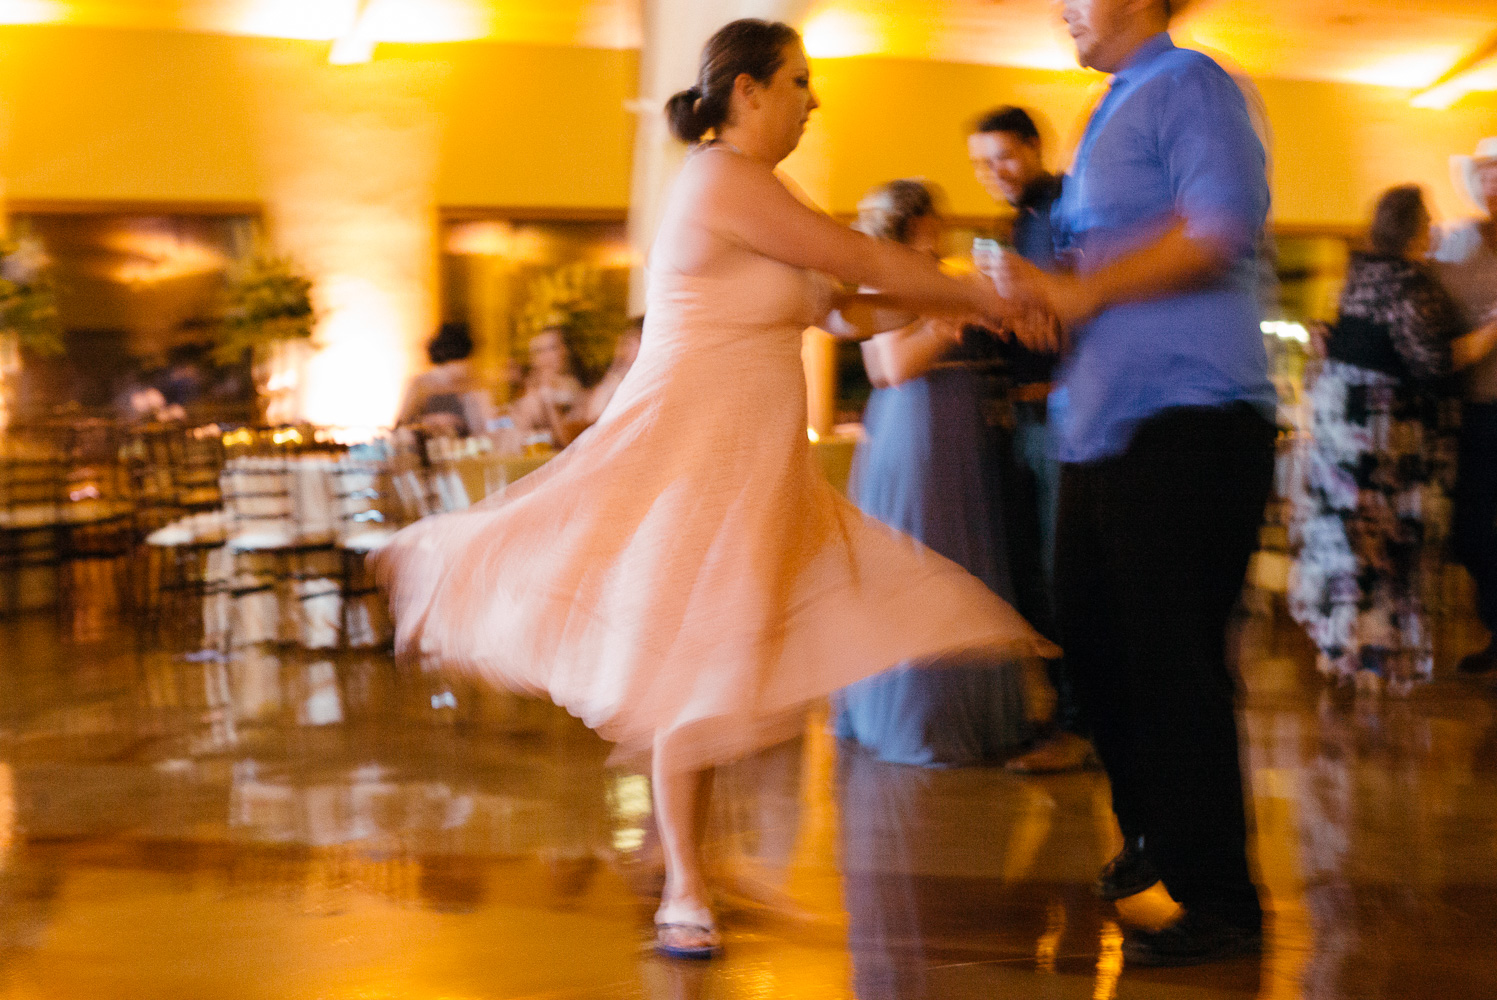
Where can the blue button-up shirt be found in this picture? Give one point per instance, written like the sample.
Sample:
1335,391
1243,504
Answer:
1171,141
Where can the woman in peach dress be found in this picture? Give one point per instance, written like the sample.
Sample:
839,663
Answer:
683,578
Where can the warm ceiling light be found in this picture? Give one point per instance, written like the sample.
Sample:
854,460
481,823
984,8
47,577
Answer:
1455,82
156,257
355,45
312,20
424,21
32,12
834,34
1442,96
1407,69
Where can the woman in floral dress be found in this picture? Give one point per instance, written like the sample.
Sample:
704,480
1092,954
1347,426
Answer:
1375,472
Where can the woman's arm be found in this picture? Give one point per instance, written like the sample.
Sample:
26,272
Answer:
1474,346
860,315
743,202
898,356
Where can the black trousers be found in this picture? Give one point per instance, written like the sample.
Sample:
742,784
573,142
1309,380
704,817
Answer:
1474,524
1152,548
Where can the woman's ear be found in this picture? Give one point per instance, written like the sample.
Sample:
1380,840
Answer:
747,88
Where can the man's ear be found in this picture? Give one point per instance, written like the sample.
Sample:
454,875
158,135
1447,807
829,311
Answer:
1165,9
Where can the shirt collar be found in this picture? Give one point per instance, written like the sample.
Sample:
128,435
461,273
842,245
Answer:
1045,188
1143,56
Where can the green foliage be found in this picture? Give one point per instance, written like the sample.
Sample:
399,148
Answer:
575,296
266,301
28,297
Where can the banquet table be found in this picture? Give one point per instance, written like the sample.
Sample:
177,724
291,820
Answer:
482,474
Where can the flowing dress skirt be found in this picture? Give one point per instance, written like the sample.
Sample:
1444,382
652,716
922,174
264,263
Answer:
683,578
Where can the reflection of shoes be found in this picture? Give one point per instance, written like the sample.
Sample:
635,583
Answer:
1128,874
1191,940
686,931
1063,752
1479,663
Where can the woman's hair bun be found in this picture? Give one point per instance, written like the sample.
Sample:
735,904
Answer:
683,113
744,46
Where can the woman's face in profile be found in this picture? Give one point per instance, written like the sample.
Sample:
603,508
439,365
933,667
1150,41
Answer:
788,99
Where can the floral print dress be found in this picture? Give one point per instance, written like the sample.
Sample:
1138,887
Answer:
1371,503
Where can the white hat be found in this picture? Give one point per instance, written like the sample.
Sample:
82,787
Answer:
1463,170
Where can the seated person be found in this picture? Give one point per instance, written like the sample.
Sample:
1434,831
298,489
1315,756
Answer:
448,398
624,353
553,405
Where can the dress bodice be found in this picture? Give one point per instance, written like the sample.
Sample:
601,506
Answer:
751,291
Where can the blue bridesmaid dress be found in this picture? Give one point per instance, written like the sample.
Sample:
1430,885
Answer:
928,467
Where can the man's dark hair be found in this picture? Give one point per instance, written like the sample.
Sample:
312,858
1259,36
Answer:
1015,121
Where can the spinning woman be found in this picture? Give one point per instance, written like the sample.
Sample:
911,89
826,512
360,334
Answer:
683,578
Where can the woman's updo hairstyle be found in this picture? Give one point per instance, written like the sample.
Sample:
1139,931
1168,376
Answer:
889,211
747,46
1398,218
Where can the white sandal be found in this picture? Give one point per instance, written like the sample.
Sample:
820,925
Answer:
686,931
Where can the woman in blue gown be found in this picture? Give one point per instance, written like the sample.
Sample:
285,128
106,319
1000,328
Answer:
928,468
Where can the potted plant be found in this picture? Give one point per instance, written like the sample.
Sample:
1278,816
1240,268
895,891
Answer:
268,317
28,310
574,296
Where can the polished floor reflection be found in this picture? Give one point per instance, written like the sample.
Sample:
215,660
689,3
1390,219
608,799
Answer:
288,825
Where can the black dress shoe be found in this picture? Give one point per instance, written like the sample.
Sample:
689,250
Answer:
1479,663
1128,874
1191,940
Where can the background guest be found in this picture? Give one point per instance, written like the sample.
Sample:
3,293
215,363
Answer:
624,353
1466,264
449,397
923,469
553,389
1008,157
1363,515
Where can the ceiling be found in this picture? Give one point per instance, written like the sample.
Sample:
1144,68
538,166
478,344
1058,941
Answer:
1399,43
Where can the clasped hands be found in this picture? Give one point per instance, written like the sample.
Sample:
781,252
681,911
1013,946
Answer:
1037,308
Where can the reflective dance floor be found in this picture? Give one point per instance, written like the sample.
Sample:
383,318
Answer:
305,826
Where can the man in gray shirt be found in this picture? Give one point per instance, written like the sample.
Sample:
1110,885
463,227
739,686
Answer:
1466,263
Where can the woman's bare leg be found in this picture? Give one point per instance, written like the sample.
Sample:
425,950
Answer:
681,806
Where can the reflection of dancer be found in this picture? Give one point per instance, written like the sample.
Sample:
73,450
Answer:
683,578
924,469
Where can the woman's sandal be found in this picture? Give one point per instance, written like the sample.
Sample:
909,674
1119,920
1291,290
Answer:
684,931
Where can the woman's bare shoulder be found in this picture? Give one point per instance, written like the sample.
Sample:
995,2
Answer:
717,172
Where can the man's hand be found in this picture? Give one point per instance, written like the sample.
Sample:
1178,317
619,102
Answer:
1063,296
1039,330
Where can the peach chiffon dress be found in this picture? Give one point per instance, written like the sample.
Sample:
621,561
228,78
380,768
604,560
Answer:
683,578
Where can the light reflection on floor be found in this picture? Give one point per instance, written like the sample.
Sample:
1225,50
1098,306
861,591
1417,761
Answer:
287,826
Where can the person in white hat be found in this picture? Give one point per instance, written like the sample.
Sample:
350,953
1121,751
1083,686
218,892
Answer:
1466,263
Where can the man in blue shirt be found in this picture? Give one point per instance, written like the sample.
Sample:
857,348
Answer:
1008,158
1162,418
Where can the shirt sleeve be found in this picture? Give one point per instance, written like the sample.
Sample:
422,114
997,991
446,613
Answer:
1216,163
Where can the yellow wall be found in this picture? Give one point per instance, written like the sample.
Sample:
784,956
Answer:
158,116
92,114
1335,146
